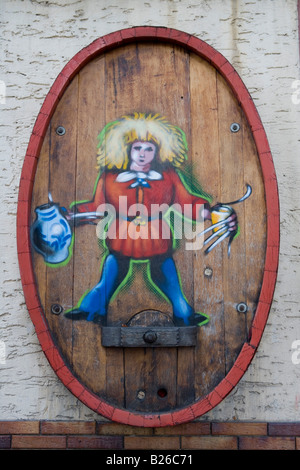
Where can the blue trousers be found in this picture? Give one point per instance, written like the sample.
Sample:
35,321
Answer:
164,275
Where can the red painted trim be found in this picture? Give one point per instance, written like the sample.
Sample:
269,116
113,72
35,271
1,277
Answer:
204,50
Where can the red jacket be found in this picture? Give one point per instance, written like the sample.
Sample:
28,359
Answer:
140,232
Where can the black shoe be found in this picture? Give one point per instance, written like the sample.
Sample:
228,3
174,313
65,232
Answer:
200,319
76,314
197,319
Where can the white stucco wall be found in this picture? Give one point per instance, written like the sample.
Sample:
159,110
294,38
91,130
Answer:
260,39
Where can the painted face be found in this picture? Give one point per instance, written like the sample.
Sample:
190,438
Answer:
142,153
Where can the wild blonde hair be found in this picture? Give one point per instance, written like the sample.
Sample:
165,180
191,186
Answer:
116,136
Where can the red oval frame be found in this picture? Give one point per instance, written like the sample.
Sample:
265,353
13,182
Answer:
207,52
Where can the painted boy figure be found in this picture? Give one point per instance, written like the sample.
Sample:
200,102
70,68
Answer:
137,157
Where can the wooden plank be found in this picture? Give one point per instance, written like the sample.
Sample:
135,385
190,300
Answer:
40,197
61,185
88,356
183,256
208,272
89,364
232,187
114,70
255,226
140,388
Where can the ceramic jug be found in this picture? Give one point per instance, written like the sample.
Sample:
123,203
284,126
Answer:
51,234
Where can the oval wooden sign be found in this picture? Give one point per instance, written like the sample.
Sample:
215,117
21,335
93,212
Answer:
148,227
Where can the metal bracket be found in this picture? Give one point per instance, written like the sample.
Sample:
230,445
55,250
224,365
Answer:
153,337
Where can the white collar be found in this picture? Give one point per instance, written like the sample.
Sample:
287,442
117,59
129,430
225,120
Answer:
129,175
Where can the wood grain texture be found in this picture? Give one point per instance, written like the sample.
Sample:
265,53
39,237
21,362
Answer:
166,79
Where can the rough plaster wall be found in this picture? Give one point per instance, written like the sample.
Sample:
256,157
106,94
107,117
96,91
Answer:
260,39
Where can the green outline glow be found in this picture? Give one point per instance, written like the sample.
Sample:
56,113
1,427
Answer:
194,188
78,303
66,261
147,276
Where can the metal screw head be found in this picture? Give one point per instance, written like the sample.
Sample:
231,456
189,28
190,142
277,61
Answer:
60,130
208,272
242,307
235,127
141,394
56,309
150,336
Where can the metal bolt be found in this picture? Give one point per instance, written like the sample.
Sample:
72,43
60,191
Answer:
141,394
235,127
208,272
242,307
56,309
60,130
150,337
